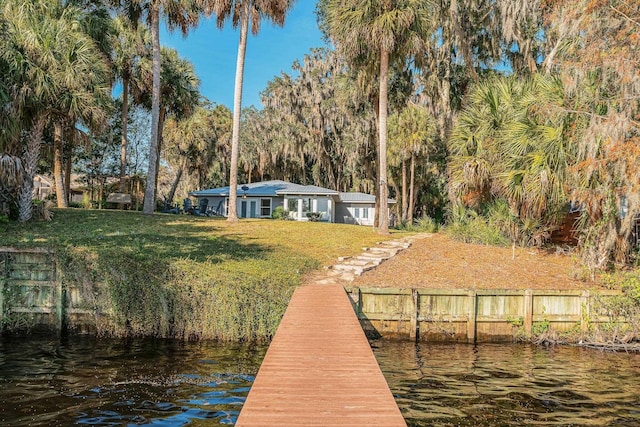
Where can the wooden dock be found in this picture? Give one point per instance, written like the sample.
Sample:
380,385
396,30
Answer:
319,369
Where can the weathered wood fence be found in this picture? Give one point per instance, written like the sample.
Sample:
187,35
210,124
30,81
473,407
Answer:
33,296
30,294
461,315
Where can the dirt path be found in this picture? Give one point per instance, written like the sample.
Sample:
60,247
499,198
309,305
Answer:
439,262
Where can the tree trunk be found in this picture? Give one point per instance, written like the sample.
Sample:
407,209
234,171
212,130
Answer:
123,141
101,192
237,105
137,193
176,181
30,165
58,144
67,176
404,190
383,218
149,193
412,197
161,119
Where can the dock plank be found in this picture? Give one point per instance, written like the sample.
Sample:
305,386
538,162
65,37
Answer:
319,369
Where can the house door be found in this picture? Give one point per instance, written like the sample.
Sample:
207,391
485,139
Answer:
253,207
243,209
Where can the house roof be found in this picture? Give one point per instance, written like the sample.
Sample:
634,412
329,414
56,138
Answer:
282,188
267,189
355,197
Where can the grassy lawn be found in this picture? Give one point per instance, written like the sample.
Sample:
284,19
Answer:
184,276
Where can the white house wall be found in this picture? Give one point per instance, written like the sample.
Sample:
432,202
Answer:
299,205
248,213
355,213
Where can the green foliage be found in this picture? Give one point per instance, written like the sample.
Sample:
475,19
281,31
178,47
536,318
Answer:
469,227
509,149
424,224
518,325
16,322
623,311
539,328
183,276
279,213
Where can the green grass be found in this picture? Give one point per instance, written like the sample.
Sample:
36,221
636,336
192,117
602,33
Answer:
183,276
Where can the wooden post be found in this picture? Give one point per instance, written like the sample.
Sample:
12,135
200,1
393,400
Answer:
471,317
585,310
5,260
60,298
360,316
415,313
528,312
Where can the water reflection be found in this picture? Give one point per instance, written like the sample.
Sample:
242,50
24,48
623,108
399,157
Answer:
511,385
46,382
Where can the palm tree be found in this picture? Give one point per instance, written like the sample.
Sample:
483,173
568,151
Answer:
12,175
130,43
179,92
507,145
411,132
241,12
379,30
61,76
182,14
192,142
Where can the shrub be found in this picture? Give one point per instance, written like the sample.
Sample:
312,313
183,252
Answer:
623,310
424,224
473,228
280,213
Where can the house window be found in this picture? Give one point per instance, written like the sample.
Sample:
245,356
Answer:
356,212
265,207
365,213
306,205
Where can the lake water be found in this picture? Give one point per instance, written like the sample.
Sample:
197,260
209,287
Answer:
116,383
511,385
85,381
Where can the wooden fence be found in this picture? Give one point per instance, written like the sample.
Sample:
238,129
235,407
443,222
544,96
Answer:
30,294
459,315
33,296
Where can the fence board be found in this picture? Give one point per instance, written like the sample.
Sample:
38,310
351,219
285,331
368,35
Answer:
471,315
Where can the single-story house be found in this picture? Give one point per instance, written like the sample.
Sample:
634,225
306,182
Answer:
44,186
260,199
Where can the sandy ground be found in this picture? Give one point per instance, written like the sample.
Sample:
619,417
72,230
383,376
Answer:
439,262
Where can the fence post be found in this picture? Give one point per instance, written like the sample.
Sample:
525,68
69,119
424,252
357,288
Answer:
585,310
4,257
528,312
415,313
61,299
472,317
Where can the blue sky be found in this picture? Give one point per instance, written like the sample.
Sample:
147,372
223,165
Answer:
213,53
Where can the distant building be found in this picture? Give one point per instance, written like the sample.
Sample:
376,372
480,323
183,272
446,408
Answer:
260,199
